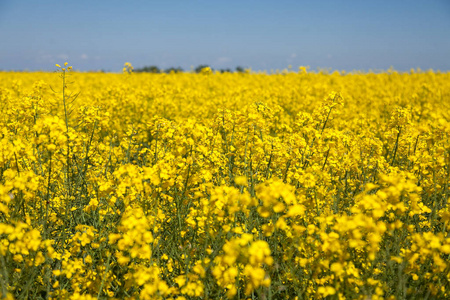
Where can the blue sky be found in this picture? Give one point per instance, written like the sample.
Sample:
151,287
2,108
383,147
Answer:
263,35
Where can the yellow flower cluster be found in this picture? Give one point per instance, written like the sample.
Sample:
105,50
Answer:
224,185
246,258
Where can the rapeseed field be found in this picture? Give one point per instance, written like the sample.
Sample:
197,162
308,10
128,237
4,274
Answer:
294,185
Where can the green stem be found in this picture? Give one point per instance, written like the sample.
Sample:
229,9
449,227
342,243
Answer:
48,199
104,277
396,146
4,279
64,100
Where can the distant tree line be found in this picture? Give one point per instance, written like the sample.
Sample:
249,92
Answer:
155,69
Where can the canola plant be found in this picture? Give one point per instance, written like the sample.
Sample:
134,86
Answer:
294,185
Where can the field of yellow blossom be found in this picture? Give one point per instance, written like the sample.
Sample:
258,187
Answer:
294,185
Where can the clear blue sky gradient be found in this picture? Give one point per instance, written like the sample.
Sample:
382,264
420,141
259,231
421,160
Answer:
263,35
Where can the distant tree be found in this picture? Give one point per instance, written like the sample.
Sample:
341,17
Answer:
175,70
200,67
225,70
240,69
148,69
